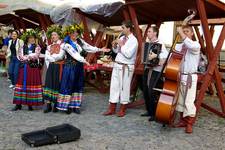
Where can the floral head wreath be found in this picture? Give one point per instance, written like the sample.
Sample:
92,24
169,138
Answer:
72,28
54,28
29,33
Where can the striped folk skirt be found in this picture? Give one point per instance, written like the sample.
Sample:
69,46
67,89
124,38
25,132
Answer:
71,88
52,82
28,90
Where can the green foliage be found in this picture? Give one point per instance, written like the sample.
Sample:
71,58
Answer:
30,33
72,28
54,28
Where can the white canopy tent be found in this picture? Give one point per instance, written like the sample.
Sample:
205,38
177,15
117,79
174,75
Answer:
61,11
102,7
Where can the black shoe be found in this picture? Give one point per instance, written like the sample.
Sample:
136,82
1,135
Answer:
54,109
145,114
48,108
69,110
76,110
30,108
151,118
17,107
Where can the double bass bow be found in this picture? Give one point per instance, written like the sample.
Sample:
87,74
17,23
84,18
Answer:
165,110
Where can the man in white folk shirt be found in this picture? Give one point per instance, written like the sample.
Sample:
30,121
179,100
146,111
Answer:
188,84
123,69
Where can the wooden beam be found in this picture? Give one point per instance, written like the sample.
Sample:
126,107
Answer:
22,24
3,5
212,68
218,21
153,18
217,4
219,88
212,110
134,20
207,78
146,31
205,26
99,39
98,33
200,39
91,58
212,30
137,31
86,30
158,23
126,14
47,21
42,22
137,2
15,24
218,47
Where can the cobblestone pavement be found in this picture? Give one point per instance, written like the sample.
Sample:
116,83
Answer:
107,133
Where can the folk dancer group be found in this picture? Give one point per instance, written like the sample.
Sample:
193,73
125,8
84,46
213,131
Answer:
64,77
64,80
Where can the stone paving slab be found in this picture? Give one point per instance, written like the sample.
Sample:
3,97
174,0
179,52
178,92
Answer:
107,133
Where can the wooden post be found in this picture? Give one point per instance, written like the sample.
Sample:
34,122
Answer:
212,68
22,24
136,77
15,24
200,39
2,5
137,31
42,22
212,29
98,36
47,21
146,31
126,14
86,30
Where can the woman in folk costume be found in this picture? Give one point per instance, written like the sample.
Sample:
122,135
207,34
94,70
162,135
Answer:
13,53
53,58
28,90
72,83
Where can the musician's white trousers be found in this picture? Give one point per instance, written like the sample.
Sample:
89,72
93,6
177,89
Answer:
186,105
120,83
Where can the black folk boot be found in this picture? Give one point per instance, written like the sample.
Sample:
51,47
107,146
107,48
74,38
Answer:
30,108
17,107
48,108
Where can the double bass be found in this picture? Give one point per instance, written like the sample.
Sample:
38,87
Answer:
165,110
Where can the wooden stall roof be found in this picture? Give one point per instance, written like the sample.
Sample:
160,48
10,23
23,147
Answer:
151,11
31,15
8,19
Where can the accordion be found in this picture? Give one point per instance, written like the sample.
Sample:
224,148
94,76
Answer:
147,49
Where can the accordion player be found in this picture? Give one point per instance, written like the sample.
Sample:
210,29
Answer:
149,48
